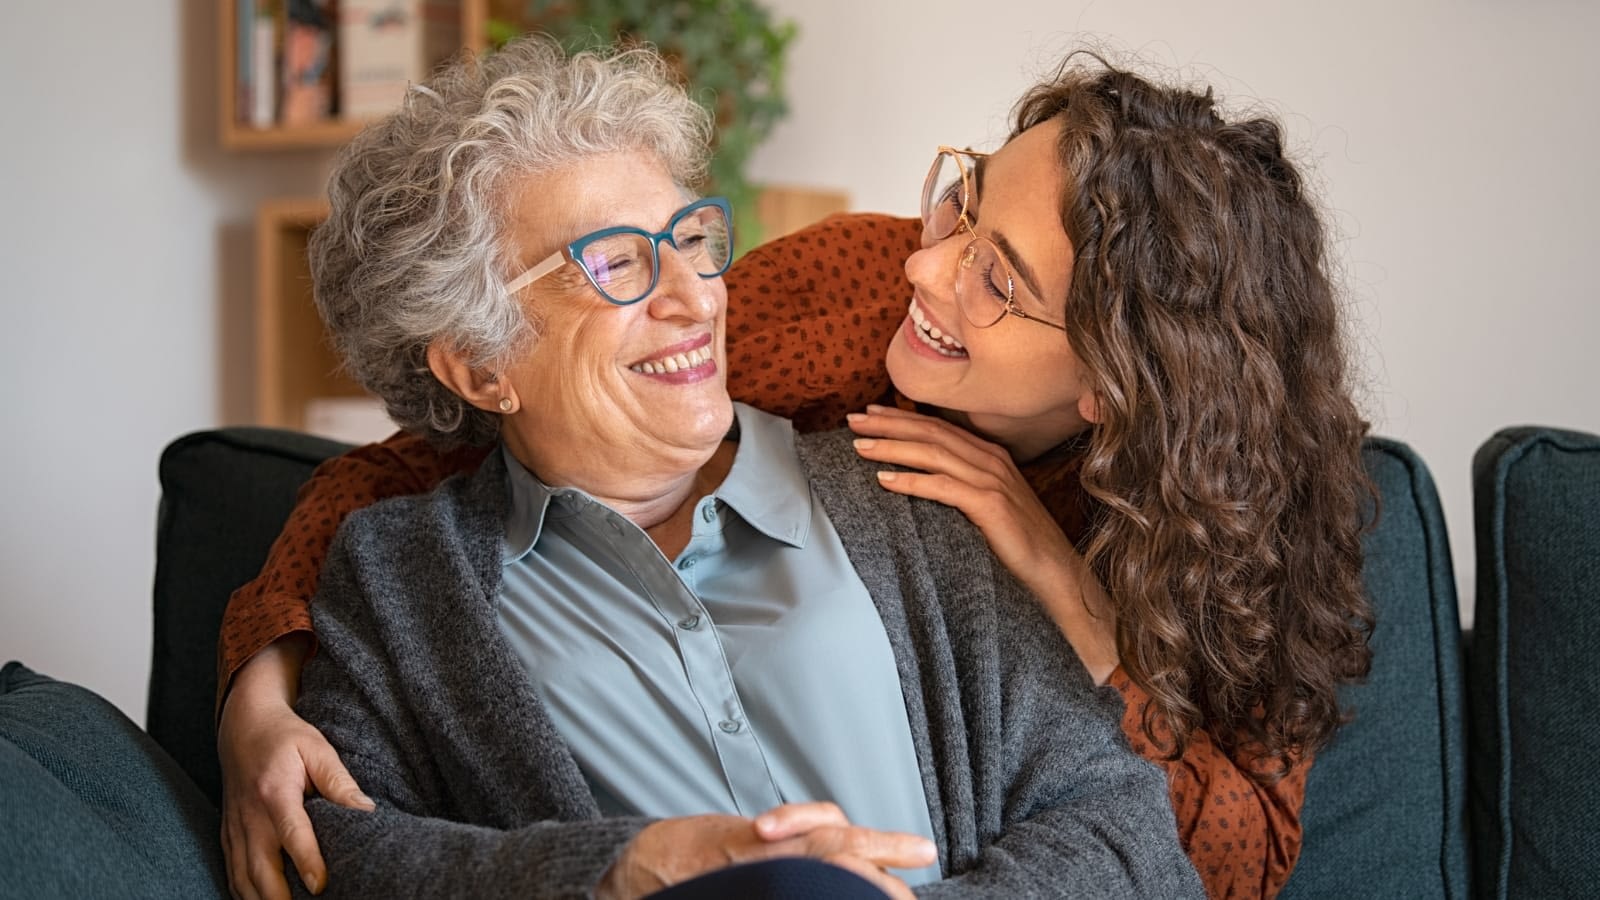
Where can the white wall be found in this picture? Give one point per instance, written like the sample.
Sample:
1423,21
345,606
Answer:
125,278
1456,140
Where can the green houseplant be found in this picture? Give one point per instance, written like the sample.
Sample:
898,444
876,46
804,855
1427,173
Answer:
731,54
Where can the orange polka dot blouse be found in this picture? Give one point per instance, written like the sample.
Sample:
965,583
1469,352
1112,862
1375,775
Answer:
809,317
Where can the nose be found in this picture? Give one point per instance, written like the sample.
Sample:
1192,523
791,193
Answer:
932,270
681,292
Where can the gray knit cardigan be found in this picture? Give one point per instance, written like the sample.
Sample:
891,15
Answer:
1031,788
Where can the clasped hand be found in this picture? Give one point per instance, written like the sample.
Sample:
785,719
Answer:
670,851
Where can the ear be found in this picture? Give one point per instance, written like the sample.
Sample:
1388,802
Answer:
484,390
1089,406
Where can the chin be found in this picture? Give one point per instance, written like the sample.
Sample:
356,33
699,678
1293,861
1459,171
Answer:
906,375
711,422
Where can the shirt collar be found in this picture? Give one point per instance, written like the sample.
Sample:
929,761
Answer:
765,486
530,500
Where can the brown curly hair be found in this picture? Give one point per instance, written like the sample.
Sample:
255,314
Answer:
1227,459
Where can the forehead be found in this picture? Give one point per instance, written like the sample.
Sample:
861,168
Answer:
550,209
1019,204
1027,168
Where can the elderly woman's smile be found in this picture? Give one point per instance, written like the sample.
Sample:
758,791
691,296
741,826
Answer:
684,363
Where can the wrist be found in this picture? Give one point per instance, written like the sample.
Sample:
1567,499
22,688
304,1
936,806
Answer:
273,673
614,884
1072,596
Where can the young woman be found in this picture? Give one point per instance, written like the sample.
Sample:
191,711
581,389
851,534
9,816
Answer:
1128,313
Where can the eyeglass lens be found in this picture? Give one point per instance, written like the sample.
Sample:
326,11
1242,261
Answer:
623,265
983,283
943,197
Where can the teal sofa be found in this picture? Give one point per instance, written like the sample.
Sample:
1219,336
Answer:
1387,807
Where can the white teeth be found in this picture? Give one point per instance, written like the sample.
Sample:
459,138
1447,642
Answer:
932,337
675,363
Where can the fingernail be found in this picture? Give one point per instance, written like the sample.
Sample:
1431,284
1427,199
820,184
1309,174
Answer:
864,443
763,823
873,407
887,476
855,417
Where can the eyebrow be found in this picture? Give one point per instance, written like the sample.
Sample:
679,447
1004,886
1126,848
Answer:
1006,247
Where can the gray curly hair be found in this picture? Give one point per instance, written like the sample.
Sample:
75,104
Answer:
414,251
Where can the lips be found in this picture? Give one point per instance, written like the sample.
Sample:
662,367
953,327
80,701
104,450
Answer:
931,335
680,357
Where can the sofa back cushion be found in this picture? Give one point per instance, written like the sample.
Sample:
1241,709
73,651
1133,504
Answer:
225,495
1385,801
1535,683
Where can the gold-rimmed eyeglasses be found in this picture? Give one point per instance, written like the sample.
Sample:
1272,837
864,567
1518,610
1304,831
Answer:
986,288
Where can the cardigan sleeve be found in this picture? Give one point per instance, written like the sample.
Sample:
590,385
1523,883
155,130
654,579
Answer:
810,315
355,692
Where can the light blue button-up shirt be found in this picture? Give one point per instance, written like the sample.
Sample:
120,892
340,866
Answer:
751,671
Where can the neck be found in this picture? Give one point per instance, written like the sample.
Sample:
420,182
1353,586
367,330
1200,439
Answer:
658,496
1025,440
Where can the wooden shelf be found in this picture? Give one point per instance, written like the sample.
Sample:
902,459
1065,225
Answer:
294,362
300,137
238,136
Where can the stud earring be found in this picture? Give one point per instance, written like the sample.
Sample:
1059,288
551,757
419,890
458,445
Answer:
505,404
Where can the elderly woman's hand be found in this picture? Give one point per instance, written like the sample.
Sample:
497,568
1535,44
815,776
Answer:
270,760
979,478
671,851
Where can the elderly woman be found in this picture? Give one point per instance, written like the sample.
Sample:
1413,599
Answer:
656,633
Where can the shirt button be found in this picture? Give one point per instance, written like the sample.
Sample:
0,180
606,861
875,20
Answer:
731,726
690,623
709,512
687,562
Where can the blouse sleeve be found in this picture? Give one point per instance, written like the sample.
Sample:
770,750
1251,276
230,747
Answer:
1242,835
810,315
277,603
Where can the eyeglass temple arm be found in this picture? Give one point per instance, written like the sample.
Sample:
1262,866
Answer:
549,264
